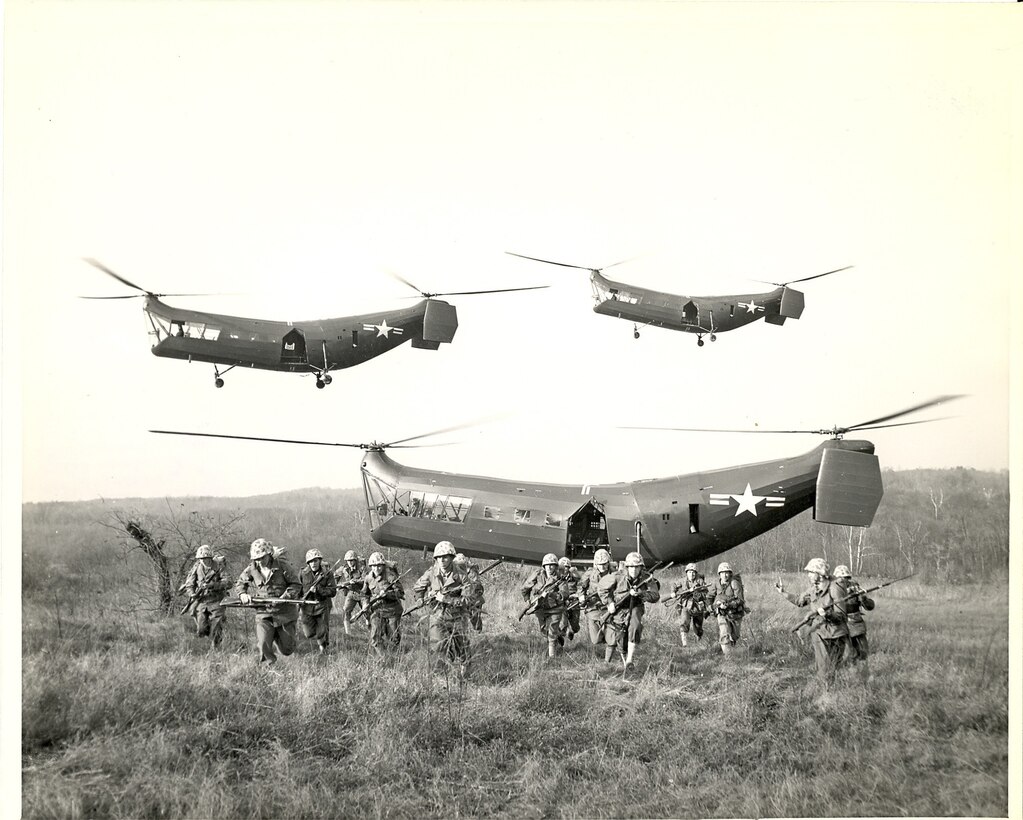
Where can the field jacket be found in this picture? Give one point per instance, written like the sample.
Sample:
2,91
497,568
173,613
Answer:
827,598
554,597
615,589
212,579
349,581
854,608
282,579
588,585
384,595
319,597
697,601
729,598
446,590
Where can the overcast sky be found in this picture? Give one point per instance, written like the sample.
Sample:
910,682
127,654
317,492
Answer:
287,155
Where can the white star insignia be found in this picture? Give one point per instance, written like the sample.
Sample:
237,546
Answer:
383,329
747,501
751,307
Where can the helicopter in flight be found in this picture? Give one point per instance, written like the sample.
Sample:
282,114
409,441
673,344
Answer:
681,518
702,315
316,347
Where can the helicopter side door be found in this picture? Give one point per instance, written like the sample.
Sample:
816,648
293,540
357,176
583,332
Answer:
293,347
586,531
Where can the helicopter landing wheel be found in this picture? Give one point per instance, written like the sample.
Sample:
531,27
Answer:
320,384
218,382
635,331
699,342
713,338
327,379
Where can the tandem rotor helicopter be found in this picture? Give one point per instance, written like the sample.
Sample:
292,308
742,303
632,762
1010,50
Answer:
702,315
681,518
317,347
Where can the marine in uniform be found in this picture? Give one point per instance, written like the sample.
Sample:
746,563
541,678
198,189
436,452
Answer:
205,587
690,596
269,577
383,592
442,587
545,588
624,594
570,620
589,601
729,604
830,636
318,590
349,579
474,590
857,651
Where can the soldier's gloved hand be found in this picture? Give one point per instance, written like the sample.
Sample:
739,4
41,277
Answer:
245,598
821,611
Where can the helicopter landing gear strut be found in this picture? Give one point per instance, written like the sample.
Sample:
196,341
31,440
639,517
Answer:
699,339
218,381
635,331
322,380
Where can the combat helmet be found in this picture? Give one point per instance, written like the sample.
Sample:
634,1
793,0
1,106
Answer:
842,571
351,556
724,566
818,565
312,555
601,556
204,552
549,558
692,568
376,559
564,561
260,548
634,559
444,548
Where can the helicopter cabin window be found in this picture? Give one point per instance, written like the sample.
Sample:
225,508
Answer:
492,513
552,520
438,507
456,508
200,330
522,516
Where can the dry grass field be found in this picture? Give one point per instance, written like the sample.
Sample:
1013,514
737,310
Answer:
126,715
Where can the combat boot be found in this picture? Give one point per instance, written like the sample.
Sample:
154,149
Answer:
628,658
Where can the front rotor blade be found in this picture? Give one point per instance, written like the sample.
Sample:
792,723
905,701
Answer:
715,430
499,290
913,409
901,423
462,426
819,275
259,438
550,262
404,281
100,266
133,296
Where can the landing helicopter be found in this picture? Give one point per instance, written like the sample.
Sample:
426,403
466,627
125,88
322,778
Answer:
319,346
702,315
681,518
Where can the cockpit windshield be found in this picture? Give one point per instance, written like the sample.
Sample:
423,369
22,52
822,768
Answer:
386,500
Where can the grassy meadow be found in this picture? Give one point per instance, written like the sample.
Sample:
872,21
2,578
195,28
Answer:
126,715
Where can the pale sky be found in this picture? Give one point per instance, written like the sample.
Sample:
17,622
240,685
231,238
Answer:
288,154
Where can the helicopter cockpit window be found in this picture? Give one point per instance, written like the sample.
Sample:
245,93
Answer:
200,330
438,507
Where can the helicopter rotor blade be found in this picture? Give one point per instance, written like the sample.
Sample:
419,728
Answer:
475,292
715,430
260,438
100,266
405,282
907,411
453,428
902,423
819,275
551,262
132,296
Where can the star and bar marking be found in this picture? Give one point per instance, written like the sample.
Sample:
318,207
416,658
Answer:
747,501
383,329
751,306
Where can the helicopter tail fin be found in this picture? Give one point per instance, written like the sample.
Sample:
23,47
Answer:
849,488
439,322
791,306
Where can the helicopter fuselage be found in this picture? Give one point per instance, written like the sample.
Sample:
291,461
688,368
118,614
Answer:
692,314
681,518
316,346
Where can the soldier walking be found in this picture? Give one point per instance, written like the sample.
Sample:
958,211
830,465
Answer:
589,599
318,590
830,636
349,579
729,604
475,590
690,596
269,577
544,588
857,650
383,592
570,620
624,594
205,587
442,587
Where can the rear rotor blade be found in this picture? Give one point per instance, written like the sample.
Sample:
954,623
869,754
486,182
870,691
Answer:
819,275
133,296
462,426
100,266
908,410
550,262
260,438
405,282
475,292
901,423
716,430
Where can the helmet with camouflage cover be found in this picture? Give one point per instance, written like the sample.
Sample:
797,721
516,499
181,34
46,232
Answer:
601,556
842,571
692,568
312,555
461,559
204,552
444,548
260,548
817,565
376,559
724,566
564,562
351,556
634,559
550,558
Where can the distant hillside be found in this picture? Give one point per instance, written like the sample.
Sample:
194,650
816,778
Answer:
948,525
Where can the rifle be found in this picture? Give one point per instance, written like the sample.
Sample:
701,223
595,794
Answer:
200,590
590,600
849,597
259,603
317,579
367,610
450,590
625,596
550,586
685,594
